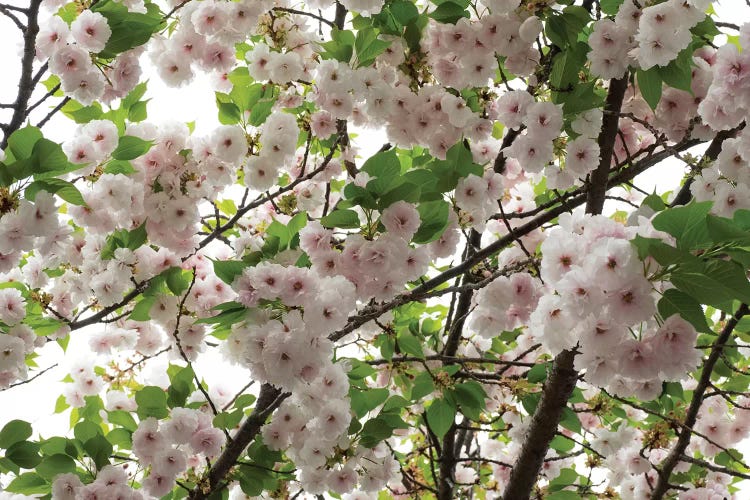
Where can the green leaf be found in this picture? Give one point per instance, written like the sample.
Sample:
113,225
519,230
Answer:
537,373
440,416
686,223
64,189
85,430
358,195
570,420
43,326
228,420
383,164
422,386
240,77
610,7
566,64
585,96
717,284
80,113
138,112
449,13
470,394
119,167
561,444
29,483
14,432
722,231
229,112
177,282
340,47
261,110
359,369
131,147
409,344
706,28
654,202
458,163
649,83
379,428
99,449
228,270
55,464
142,310
226,318
405,191
434,217
563,495
403,12
563,29
152,402
121,438
565,478
366,400
344,219
676,302
25,454
679,72
123,419
60,404
286,233
21,142
664,254
530,402
181,387
48,156
124,239
129,29
134,96
367,46
395,402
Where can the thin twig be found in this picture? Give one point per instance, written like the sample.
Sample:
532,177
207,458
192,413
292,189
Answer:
36,376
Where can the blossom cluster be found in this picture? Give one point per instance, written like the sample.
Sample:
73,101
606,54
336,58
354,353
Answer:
464,54
164,190
168,448
205,38
18,341
68,50
728,99
603,305
112,481
727,181
30,225
664,30
293,353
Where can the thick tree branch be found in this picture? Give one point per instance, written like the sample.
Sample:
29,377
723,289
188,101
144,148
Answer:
4,9
598,180
447,456
712,152
674,457
268,400
562,377
25,82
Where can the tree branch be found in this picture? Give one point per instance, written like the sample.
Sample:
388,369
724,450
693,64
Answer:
268,400
712,152
563,377
25,82
303,13
669,463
